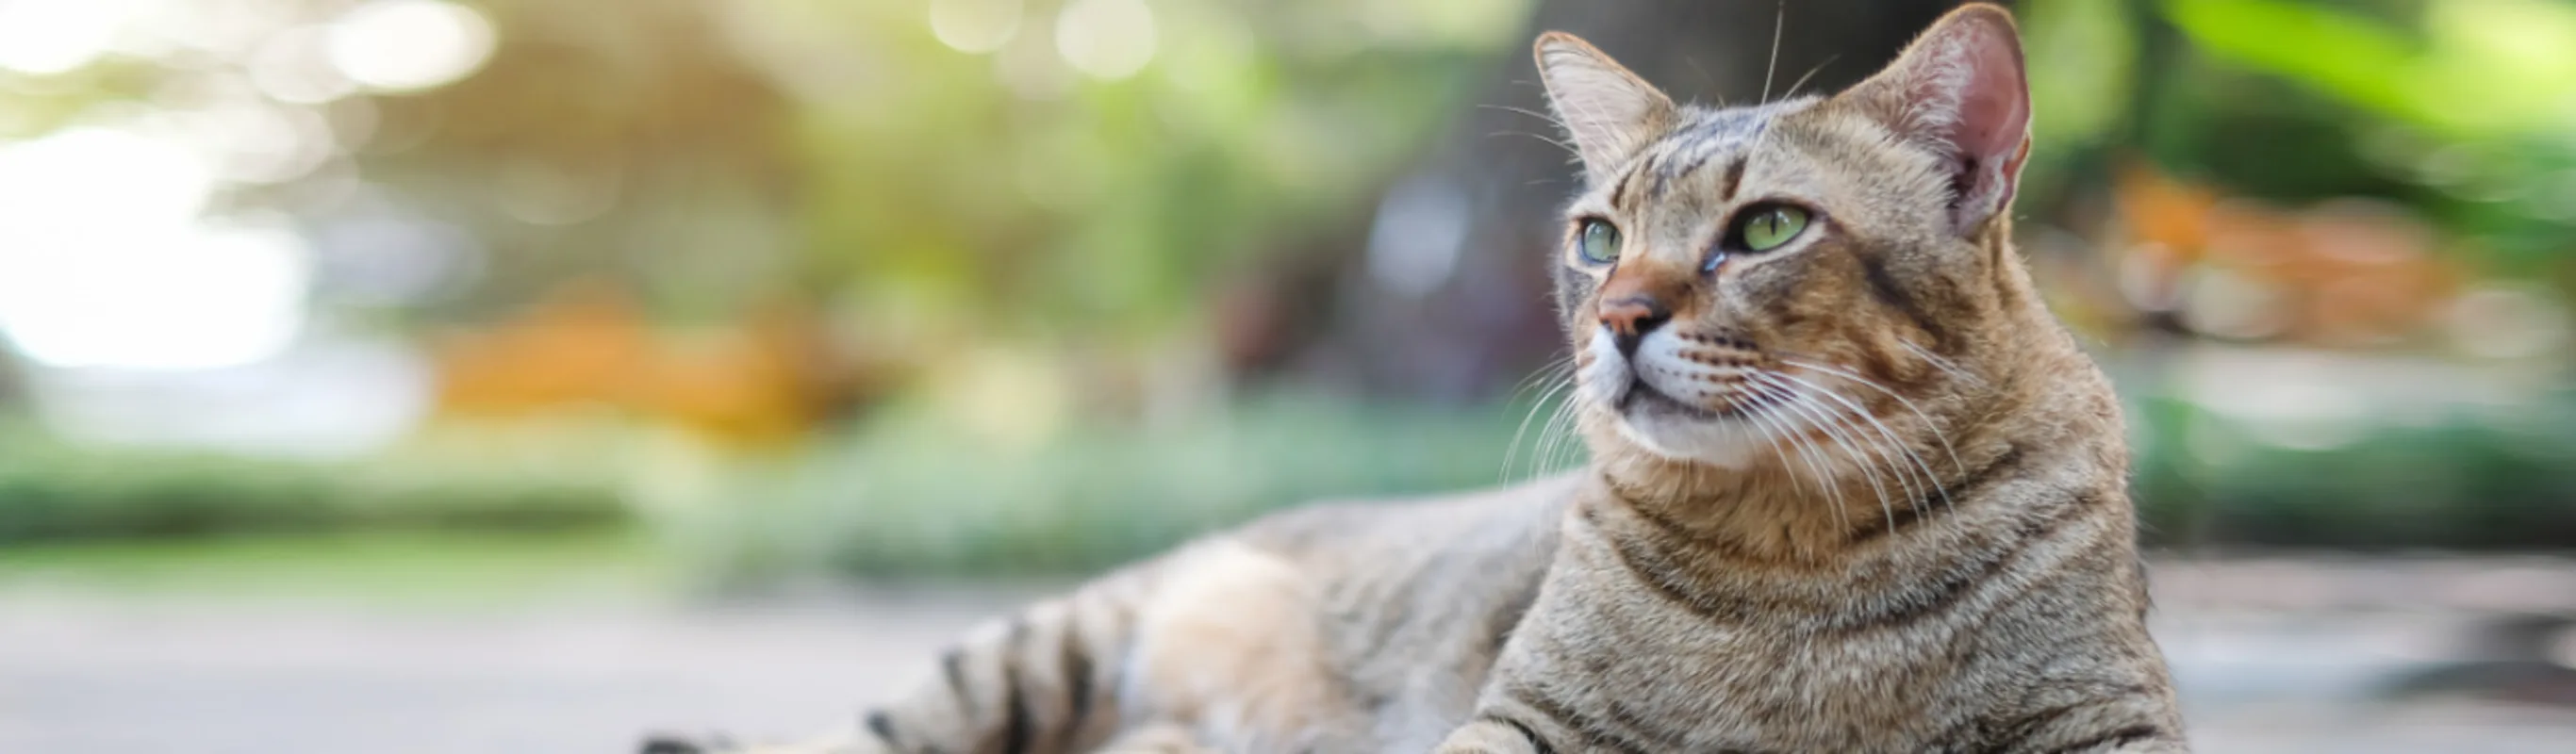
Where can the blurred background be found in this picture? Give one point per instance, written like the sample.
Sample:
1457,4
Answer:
515,375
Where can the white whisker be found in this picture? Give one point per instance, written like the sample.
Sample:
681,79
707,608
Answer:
1513,450
1526,111
1773,435
1806,452
1893,440
1551,441
1879,448
1811,73
1815,412
1779,21
1928,424
1940,362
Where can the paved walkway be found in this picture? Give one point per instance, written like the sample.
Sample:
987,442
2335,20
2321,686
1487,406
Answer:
88,674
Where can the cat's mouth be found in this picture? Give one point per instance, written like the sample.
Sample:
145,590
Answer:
1642,401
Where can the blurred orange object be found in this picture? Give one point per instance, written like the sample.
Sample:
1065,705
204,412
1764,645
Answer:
2346,272
588,345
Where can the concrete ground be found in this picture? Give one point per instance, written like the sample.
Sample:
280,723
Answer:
2270,660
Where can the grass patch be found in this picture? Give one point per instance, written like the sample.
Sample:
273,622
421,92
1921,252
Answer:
444,567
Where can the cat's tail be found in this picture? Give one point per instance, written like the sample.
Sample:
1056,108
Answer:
1046,681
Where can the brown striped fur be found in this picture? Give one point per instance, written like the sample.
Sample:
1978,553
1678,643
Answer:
1857,493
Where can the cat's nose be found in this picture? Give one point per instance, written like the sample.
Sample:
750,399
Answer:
1629,319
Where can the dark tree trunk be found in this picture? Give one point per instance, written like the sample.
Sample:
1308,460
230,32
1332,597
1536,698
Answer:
1447,298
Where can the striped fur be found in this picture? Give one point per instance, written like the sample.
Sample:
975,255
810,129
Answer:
1858,493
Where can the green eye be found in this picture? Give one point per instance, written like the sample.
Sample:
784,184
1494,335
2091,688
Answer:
1766,228
1598,242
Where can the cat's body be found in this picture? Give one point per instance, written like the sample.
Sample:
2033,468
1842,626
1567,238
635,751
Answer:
1853,489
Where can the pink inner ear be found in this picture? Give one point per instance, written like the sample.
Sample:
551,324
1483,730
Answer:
1981,113
1994,104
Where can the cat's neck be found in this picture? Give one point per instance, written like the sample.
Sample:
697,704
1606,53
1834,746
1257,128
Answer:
1764,513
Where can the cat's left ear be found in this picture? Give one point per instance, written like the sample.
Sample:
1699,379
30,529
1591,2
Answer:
1961,91
1609,112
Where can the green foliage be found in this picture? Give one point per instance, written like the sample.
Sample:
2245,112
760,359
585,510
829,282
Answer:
905,498
2080,54
2456,107
2470,479
2478,67
52,491
1003,193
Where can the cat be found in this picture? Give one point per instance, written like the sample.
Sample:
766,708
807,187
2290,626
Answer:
1853,488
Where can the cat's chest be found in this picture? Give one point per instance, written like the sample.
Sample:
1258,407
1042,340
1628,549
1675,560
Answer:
1704,683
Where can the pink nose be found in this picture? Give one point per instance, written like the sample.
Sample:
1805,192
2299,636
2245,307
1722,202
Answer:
1630,318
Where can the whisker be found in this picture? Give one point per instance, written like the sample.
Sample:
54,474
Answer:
1525,111
1806,452
1928,424
1772,434
1559,384
1569,148
1880,449
1706,81
1940,362
1815,412
1894,441
1811,73
1551,441
1537,463
1779,21
1543,373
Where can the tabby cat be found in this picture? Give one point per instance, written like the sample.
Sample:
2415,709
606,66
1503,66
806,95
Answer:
1853,488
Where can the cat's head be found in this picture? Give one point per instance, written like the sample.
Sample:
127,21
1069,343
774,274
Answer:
1737,281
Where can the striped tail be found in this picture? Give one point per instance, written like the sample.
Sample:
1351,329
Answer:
1044,682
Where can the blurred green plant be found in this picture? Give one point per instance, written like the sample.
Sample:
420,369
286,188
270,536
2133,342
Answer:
964,193
909,497
907,500
2458,107
2466,479
54,491
379,568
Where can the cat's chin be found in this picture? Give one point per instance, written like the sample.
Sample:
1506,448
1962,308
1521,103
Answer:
1677,431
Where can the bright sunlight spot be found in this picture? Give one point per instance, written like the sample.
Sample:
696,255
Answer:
105,263
44,37
976,26
1108,39
404,45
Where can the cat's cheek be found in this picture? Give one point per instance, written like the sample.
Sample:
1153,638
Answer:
1604,376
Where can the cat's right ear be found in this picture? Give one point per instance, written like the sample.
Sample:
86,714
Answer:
1609,112
1960,90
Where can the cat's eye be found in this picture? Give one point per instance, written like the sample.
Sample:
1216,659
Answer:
1597,242
1766,227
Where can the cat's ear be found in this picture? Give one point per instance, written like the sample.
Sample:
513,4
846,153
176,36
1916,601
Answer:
1609,112
1961,91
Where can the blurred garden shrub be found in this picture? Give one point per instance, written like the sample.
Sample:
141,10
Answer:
916,498
51,491
914,501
